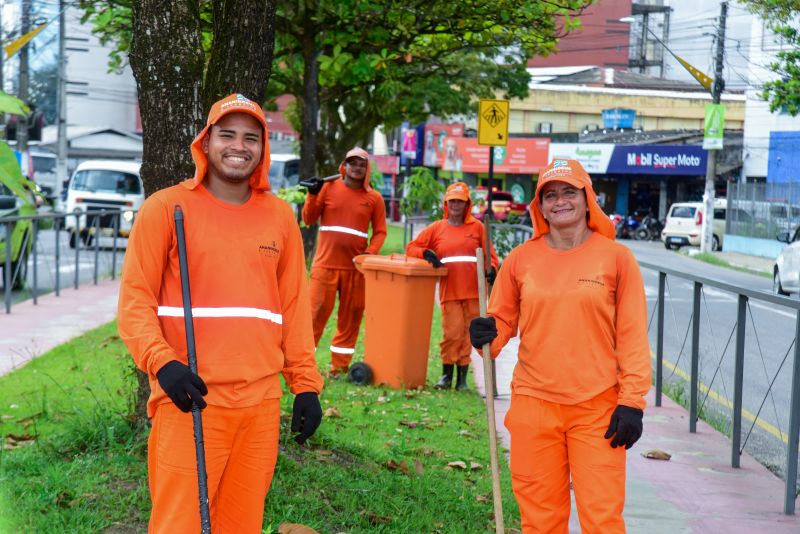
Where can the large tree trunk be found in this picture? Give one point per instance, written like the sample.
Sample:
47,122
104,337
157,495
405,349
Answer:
309,115
168,62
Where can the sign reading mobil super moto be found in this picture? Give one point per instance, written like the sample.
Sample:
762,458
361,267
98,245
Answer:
665,160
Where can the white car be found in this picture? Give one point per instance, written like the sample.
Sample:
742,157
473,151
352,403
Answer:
102,185
685,222
284,170
786,273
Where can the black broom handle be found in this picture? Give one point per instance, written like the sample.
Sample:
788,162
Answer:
202,476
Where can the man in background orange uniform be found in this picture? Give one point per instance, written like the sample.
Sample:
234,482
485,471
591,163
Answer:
576,299
252,322
346,208
452,242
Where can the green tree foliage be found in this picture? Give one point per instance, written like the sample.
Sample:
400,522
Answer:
783,17
423,193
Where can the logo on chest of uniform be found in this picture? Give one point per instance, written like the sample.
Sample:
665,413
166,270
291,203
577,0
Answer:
595,281
269,250
474,237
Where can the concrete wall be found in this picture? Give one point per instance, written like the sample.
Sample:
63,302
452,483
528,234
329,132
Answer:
753,246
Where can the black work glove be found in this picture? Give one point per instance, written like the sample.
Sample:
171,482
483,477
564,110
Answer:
482,330
432,258
182,385
306,415
313,185
491,275
626,423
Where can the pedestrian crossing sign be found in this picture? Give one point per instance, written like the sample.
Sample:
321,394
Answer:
493,122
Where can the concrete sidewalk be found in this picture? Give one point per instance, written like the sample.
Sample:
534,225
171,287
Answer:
695,491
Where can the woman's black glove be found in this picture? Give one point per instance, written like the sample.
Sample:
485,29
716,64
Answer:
431,257
482,330
491,275
306,415
626,423
182,385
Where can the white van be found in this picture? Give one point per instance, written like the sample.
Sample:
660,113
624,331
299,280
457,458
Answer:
284,171
685,222
102,185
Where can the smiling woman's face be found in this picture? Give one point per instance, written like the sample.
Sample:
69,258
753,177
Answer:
563,205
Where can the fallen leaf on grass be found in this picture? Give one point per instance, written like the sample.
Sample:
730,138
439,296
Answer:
295,528
475,465
392,465
466,434
419,468
657,454
332,412
482,498
324,452
107,341
13,441
458,463
409,424
375,519
382,399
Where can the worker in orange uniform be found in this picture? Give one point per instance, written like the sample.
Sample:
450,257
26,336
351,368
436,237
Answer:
252,322
452,242
346,208
578,389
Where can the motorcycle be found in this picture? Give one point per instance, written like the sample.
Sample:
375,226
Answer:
649,229
626,226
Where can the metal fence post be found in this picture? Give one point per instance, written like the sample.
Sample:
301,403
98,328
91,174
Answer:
790,495
738,382
694,378
78,242
34,291
7,268
97,243
662,282
114,250
63,221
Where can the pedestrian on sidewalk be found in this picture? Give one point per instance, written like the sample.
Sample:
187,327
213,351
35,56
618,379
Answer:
578,389
345,209
252,321
452,242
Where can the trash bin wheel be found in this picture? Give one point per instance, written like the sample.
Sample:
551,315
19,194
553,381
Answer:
360,374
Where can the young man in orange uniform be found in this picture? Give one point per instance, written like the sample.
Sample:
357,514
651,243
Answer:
346,208
252,322
452,242
577,299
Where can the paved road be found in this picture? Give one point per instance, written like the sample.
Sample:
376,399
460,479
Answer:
768,347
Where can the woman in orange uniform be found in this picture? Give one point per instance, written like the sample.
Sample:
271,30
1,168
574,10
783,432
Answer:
346,208
452,242
252,322
578,389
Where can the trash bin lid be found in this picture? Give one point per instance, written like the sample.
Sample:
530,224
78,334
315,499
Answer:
398,264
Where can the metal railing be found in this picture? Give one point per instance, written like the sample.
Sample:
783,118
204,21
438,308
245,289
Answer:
743,297
89,227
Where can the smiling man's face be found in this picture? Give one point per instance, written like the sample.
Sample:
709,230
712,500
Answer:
234,147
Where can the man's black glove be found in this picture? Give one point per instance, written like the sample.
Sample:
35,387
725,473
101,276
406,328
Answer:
432,258
182,385
313,185
626,423
306,415
482,330
491,275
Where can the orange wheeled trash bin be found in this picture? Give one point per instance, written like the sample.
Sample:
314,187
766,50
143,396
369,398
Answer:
398,310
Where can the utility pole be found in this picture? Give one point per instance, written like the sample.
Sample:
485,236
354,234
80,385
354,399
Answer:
2,72
61,104
711,167
22,124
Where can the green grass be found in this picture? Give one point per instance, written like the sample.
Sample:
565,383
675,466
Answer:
85,468
394,239
716,260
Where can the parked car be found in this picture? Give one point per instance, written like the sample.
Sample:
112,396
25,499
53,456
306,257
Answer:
102,184
786,272
685,222
17,198
503,204
284,170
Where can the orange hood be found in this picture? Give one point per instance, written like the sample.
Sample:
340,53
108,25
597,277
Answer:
573,173
459,191
357,152
234,103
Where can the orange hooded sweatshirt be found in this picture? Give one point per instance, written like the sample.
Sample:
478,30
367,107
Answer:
252,317
581,313
455,247
346,217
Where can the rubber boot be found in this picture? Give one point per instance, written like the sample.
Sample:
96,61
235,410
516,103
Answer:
461,381
447,377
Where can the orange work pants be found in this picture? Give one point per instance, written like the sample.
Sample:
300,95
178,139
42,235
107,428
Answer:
325,283
241,446
550,442
456,315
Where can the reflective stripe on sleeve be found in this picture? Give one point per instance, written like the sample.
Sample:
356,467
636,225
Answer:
342,350
460,259
256,313
344,230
